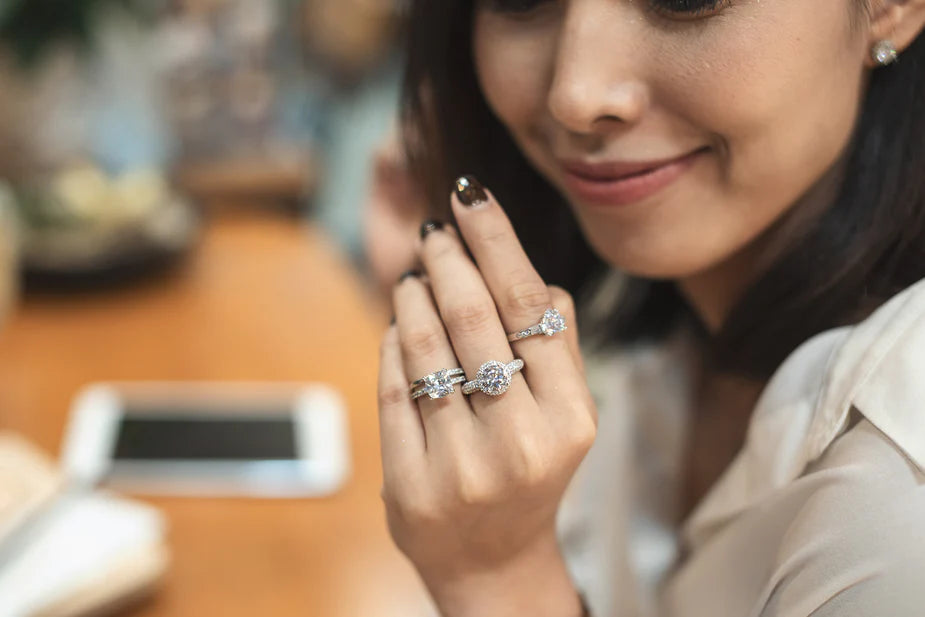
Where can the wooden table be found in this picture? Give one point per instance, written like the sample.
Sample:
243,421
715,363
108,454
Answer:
260,299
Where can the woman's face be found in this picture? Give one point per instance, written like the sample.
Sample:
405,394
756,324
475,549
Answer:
717,120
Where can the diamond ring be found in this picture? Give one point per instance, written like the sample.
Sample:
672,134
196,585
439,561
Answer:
493,377
551,322
437,384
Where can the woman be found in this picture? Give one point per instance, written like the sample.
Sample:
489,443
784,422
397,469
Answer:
752,172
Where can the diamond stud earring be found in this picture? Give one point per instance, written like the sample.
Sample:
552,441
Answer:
884,52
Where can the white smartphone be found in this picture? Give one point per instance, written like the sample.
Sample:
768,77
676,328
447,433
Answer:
209,439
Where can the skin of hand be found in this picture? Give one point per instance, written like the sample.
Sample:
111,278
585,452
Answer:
471,485
392,214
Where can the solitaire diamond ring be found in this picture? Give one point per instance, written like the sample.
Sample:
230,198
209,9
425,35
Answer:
437,384
551,322
493,377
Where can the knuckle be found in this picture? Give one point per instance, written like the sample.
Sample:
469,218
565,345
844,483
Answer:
562,299
471,488
530,466
415,511
593,417
446,248
471,494
468,317
386,343
583,430
395,526
527,298
392,395
423,341
497,234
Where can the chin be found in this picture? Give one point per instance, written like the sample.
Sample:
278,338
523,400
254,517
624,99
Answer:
655,271
649,260
670,244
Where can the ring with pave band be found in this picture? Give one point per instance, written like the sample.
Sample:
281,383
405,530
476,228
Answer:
438,384
551,323
493,377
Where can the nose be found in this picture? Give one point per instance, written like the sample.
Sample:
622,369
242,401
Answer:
595,84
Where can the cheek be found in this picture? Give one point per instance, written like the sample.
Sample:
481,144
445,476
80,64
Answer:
778,87
774,86
776,91
512,67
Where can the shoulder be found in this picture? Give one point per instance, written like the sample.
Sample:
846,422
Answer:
877,372
823,510
856,545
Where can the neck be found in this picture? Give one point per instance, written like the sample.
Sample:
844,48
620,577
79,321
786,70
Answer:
713,292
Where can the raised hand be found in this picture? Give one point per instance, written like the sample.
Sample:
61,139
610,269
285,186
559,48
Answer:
472,483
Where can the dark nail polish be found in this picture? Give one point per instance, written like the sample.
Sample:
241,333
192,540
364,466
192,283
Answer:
407,273
429,226
470,191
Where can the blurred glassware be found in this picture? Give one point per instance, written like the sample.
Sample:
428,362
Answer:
9,251
240,101
85,141
30,29
82,227
102,102
350,37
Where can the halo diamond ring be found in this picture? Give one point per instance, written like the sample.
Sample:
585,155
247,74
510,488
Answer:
438,384
551,323
493,377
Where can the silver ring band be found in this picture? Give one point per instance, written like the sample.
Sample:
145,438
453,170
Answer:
438,384
493,377
551,323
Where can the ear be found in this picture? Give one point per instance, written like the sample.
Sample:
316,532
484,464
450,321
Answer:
899,21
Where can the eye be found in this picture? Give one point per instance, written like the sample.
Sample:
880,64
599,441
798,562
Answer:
686,8
669,8
513,6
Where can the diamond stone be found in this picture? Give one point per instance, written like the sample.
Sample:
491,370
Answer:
552,322
884,52
438,384
494,378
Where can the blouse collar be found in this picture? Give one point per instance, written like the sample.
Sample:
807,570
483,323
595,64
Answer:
873,366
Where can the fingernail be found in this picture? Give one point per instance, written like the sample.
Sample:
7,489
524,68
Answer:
470,191
407,273
429,226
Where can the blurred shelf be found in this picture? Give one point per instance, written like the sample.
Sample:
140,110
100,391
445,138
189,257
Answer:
282,182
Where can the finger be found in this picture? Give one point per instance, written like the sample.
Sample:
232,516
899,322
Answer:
562,300
520,294
426,349
468,312
401,434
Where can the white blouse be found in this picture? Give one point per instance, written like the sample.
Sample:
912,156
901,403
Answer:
821,513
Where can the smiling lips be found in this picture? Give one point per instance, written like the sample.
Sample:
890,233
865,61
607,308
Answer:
614,184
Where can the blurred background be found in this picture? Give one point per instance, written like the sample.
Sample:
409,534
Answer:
188,193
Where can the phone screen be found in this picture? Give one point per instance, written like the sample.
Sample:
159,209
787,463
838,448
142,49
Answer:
189,434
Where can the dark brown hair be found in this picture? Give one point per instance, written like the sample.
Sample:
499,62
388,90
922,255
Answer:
868,245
